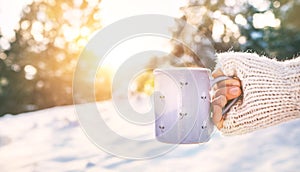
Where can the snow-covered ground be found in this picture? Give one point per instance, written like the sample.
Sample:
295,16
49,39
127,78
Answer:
52,140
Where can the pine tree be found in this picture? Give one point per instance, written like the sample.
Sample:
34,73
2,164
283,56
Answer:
42,58
235,22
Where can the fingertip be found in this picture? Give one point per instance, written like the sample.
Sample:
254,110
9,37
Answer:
234,82
234,92
217,114
220,124
217,72
228,83
221,100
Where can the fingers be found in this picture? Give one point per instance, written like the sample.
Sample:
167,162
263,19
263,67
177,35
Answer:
228,82
220,99
230,92
217,117
218,104
217,73
224,91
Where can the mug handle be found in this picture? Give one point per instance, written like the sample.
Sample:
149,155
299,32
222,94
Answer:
232,102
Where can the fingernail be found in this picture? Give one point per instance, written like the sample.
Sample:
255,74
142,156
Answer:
237,83
234,90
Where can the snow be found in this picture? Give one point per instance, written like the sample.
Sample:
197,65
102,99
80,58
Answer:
52,140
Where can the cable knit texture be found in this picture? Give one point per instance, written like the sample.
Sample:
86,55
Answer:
271,91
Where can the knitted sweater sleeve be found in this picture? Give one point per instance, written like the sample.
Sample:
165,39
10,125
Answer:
271,91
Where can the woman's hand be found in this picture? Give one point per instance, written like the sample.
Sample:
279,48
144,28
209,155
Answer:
224,91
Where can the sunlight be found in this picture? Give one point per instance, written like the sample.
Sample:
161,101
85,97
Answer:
260,5
239,19
30,72
25,24
85,31
117,56
90,99
70,33
11,8
59,42
114,10
265,19
4,44
37,29
242,40
82,42
230,3
218,30
3,81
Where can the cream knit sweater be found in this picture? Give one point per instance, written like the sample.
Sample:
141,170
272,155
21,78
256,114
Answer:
271,91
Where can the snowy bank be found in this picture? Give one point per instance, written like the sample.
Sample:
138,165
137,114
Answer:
52,140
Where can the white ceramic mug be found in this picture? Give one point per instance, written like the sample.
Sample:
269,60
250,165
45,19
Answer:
183,106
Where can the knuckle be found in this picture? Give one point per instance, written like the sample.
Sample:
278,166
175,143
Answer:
220,91
223,100
220,100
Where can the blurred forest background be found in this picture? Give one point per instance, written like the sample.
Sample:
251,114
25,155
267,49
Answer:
38,61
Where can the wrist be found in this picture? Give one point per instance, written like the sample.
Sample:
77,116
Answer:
271,91
292,74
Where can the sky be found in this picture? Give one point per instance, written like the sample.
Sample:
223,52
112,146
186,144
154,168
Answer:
111,11
114,10
10,14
